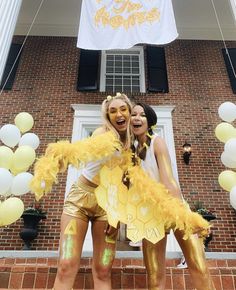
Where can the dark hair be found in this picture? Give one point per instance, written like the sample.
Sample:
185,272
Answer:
151,120
150,115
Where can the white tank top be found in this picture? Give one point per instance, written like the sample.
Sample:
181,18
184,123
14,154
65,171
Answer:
149,165
91,170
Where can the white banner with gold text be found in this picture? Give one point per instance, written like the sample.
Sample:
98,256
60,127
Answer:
120,24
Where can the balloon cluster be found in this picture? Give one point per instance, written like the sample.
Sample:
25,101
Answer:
14,178
226,133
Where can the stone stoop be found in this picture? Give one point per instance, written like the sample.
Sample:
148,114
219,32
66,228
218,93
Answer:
127,274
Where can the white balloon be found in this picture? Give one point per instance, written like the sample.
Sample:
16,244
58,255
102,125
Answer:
10,135
30,139
20,183
227,160
5,181
232,196
230,148
227,111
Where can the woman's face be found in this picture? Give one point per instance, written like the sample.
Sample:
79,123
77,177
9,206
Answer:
119,115
139,123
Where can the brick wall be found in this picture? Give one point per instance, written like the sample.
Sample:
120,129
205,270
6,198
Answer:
45,86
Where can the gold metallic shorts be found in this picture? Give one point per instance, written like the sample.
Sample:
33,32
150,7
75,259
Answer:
82,203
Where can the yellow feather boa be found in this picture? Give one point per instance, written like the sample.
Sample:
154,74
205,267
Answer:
164,211
59,155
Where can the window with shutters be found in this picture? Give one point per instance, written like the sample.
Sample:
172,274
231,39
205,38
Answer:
122,71
230,62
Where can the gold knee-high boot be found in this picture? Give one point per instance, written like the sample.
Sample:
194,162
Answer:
194,254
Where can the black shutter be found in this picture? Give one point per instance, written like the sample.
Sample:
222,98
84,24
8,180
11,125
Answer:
88,73
13,52
156,68
231,74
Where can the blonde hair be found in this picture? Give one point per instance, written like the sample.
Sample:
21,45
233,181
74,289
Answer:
106,121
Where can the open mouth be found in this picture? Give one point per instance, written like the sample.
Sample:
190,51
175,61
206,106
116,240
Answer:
137,125
120,122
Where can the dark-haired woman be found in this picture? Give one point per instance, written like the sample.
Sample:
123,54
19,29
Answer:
155,160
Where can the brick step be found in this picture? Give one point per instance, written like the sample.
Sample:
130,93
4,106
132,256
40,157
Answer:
127,274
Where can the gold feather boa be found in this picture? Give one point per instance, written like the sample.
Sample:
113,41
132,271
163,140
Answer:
59,155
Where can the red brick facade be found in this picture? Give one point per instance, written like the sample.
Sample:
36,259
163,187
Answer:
45,86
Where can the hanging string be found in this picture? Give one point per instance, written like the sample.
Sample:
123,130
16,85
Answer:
18,55
223,39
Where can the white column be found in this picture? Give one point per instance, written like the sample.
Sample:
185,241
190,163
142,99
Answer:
9,10
233,4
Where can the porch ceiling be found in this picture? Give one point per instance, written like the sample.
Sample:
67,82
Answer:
195,18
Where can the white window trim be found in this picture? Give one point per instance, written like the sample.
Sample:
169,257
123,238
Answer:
141,62
88,117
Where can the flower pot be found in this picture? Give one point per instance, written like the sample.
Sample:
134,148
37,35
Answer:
30,229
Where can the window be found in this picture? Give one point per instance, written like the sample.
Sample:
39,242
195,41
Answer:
122,71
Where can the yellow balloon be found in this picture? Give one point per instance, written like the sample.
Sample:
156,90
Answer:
24,156
225,131
24,121
227,179
6,157
10,211
16,171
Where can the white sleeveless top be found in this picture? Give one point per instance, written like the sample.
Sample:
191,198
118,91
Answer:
91,170
149,165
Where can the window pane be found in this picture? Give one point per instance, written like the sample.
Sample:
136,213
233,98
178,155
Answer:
118,81
109,69
110,57
127,81
109,82
118,57
135,82
127,70
135,70
136,89
118,70
127,89
109,88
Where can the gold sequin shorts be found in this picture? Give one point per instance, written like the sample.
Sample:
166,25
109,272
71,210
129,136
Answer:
82,203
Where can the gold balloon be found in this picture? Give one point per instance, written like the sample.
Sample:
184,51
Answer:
227,179
10,211
6,157
225,131
24,121
24,156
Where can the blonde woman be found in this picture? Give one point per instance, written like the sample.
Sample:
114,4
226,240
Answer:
81,207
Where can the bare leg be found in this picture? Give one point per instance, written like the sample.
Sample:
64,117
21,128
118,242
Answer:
154,259
194,254
73,231
103,255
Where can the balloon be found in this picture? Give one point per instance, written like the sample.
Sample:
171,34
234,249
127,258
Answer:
230,147
5,180
10,210
24,156
24,121
16,171
6,157
10,135
232,196
30,139
227,179
227,111
224,131
227,160
20,183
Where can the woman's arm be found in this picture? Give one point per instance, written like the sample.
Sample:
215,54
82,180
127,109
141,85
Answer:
164,165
